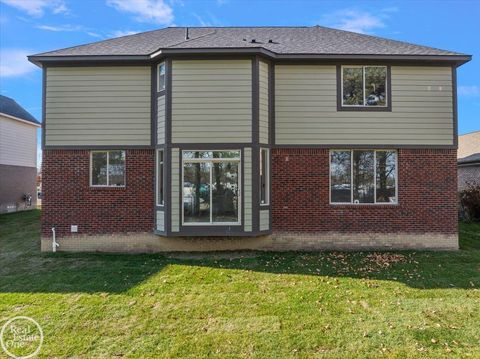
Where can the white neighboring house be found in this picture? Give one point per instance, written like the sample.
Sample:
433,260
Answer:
18,157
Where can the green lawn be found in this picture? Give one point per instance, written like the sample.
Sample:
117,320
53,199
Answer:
263,305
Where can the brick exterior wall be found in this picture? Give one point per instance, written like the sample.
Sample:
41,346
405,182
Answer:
69,199
427,192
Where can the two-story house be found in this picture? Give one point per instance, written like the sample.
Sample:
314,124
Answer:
275,138
18,157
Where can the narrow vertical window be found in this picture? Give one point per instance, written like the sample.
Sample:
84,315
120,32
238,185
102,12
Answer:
264,174
363,178
386,177
160,178
107,168
340,174
99,169
161,77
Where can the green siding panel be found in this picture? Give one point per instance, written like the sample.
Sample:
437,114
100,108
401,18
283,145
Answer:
306,109
94,106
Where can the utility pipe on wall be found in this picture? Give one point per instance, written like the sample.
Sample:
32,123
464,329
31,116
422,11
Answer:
54,243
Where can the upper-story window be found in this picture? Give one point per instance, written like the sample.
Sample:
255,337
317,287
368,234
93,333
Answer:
364,87
161,77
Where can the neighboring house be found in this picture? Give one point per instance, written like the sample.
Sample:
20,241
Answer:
468,159
18,157
272,138
469,171
468,144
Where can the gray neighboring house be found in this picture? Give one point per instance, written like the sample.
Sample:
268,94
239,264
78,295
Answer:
468,171
468,159
18,156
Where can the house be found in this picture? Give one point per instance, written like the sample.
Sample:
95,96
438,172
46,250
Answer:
469,171
272,138
468,144
468,159
18,157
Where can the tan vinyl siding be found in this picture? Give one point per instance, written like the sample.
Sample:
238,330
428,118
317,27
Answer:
264,220
91,106
161,119
174,205
18,143
211,101
263,102
160,221
247,183
306,109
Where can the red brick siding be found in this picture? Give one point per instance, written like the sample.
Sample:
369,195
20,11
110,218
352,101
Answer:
427,184
69,199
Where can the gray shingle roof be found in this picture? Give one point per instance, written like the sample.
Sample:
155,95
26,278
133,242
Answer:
475,158
286,40
10,107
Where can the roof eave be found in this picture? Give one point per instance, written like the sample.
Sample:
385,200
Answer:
28,122
45,59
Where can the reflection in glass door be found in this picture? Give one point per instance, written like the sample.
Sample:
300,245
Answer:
211,187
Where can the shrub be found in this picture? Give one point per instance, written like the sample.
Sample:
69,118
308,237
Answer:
470,201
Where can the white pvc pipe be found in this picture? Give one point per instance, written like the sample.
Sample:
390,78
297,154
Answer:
54,243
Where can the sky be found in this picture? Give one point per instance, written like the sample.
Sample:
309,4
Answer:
32,26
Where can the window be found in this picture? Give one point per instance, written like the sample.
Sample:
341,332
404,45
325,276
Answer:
160,178
363,176
161,77
364,86
211,187
264,174
107,168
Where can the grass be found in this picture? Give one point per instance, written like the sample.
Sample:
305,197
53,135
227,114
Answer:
247,304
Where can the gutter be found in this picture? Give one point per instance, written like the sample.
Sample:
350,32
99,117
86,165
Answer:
39,60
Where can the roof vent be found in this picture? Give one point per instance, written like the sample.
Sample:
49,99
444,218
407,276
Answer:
253,41
270,41
186,34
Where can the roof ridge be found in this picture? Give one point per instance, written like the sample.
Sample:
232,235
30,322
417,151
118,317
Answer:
469,133
189,39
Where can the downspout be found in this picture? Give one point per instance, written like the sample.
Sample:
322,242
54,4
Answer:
54,243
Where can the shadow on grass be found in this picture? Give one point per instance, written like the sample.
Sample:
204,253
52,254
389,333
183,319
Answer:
23,269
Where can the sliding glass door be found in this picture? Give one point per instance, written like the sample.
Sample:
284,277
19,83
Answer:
211,187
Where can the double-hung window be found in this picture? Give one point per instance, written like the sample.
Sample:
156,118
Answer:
211,187
107,168
264,176
161,77
160,172
363,176
364,87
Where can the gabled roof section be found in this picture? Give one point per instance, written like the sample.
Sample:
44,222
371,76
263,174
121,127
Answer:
9,107
273,41
472,159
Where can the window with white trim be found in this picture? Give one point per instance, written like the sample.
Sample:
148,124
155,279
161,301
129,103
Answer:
264,176
161,77
160,189
211,187
363,176
107,168
364,86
